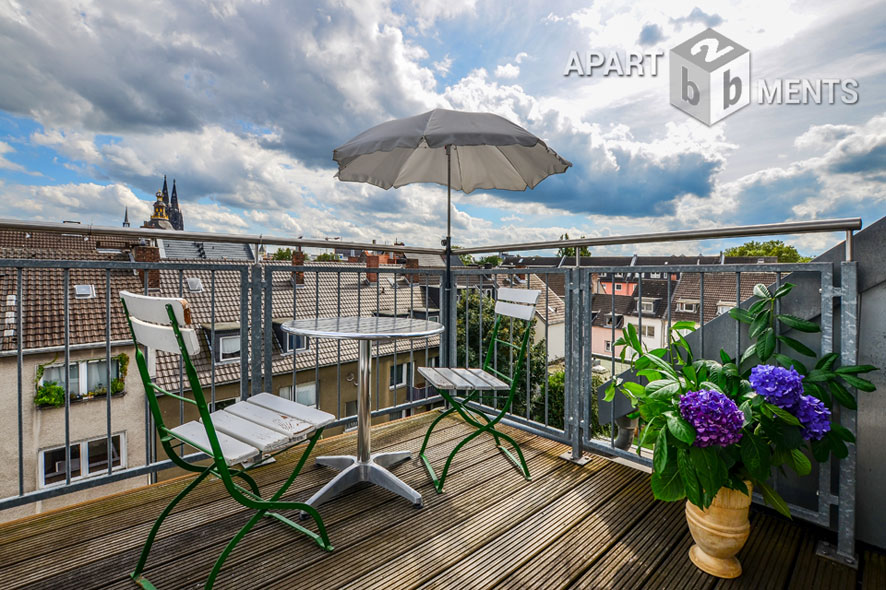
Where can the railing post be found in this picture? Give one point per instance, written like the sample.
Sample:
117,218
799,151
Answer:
268,332
450,294
255,354
848,418
572,382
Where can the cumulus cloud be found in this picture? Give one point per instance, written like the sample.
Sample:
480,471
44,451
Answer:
5,164
507,71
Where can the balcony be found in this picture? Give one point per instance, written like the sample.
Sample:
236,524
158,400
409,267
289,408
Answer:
595,526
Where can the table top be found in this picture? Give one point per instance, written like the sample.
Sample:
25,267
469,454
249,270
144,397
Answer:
363,328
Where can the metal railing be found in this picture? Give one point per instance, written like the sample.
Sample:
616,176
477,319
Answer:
563,407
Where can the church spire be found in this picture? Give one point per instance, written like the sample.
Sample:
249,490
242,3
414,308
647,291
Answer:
175,215
126,217
165,191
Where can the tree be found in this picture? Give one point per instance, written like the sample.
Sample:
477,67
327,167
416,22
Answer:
466,259
784,252
491,260
282,254
582,251
326,257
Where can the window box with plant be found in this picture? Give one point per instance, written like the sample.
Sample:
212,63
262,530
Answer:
86,379
719,427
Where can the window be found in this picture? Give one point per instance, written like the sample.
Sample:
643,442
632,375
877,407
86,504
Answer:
85,377
648,331
401,375
84,291
229,348
88,458
195,285
618,286
647,306
296,343
721,309
607,345
433,318
687,306
305,393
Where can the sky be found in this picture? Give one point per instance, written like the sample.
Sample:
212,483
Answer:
243,102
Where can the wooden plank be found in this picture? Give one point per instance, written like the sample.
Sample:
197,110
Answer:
812,572
201,506
678,572
552,547
491,382
514,310
768,557
874,570
529,296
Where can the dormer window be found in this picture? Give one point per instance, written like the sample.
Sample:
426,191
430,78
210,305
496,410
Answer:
294,343
647,306
688,306
229,348
84,291
226,347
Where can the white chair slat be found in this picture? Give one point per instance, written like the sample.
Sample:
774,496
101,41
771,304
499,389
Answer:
253,434
163,337
518,295
455,378
293,428
491,381
234,451
514,310
275,403
153,309
434,378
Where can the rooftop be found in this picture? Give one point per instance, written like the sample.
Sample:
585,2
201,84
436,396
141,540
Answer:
595,526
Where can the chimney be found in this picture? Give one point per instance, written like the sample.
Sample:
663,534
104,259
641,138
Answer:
412,263
372,262
522,277
144,253
298,259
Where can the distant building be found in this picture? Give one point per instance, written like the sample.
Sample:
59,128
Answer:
167,214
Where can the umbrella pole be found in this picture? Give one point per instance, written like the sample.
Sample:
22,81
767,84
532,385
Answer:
451,313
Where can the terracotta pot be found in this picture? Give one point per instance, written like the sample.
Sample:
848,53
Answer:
720,532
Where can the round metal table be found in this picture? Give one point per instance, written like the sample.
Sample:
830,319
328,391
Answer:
364,466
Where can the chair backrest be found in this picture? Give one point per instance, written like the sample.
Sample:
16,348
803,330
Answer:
152,326
516,303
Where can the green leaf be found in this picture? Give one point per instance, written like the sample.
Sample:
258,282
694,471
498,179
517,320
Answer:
684,325
761,291
711,471
855,369
843,432
819,376
748,353
691,376
837,445
710,385
632,337
799,324
801,462
827,361
691,485
680,428
634,388
760,323
662,365
724,356
667,485
650,408
650,430
821,450
660,453
757,306
610,391
735,483
765,345
783,414
755,455
773,499
741,315
796,345
842,395
745,408
787,362
783,290
819,392
859,383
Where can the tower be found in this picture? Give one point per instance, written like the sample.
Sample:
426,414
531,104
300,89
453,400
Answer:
165,192
160,218
126,217
175,214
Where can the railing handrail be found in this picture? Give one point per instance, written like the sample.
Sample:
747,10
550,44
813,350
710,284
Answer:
848,224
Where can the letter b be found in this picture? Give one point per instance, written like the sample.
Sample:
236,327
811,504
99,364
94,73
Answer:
728,85
687,85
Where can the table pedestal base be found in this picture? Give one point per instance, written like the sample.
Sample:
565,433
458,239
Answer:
353,471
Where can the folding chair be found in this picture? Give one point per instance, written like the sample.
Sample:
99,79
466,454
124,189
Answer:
511,303
247,432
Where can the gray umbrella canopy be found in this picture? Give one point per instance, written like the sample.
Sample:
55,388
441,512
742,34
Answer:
488,152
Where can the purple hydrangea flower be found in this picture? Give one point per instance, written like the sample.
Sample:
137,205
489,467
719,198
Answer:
716,418
814,416
779,386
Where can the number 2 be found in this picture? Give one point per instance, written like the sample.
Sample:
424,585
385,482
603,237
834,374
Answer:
711,47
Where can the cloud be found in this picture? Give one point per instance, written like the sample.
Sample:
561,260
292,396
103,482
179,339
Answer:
699,16
650,35
443,65
507,71
5,164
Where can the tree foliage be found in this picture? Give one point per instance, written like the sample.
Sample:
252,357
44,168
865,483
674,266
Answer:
326,257
784,252
582,251
282,254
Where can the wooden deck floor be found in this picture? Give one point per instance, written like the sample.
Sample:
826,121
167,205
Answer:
595,526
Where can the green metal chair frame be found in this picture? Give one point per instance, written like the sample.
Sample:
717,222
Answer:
250,498
474,417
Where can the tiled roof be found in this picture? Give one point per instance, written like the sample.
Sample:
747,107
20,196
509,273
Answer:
318,298
641,260
187,250
718,287
43,319
602,306
68,245
653,289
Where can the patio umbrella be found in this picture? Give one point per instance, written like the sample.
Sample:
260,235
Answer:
460,150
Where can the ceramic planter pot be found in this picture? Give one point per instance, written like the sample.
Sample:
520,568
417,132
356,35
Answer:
720,532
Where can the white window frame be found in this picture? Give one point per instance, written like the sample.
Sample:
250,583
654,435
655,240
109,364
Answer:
647,307
688,306
607,345
721,309
218,356
648,331
82,375
434,318
287,344
408,369
84,460
618,286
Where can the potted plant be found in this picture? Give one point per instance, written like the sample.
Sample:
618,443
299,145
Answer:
50,394
719,427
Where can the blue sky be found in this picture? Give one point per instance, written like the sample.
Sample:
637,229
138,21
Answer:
243,102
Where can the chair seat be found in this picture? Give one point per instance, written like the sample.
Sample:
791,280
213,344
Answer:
462,379
318,418
252,433
234,451
292,428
